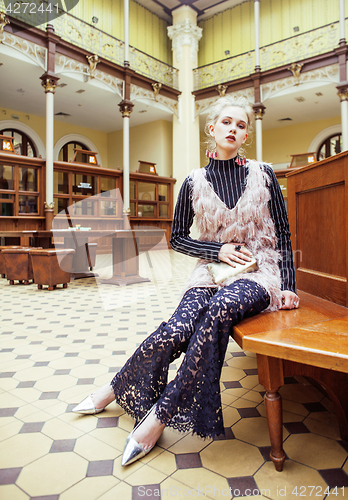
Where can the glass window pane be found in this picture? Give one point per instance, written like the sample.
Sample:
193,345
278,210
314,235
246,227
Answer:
162,192
84,184
146,191
60,204
83,207
17,143
107,184
7,207
132,209
146,210
335,145
108,208
28,204
30,151
132,190
163,210
71,151
6,177
321,154
27,179
61,182
81,157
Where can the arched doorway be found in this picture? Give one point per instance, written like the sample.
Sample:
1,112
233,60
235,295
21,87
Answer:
332,145
23,145
67,152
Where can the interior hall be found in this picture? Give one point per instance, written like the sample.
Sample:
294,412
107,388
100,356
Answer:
103,105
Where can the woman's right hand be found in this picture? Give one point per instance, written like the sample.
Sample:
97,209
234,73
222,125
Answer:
233,253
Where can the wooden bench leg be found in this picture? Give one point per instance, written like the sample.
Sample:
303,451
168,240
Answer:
273,404
270,371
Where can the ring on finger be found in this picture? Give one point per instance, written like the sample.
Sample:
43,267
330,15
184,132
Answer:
237,248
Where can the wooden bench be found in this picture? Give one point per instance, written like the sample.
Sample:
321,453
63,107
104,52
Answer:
311,341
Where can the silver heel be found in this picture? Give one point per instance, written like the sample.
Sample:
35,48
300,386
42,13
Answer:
132,450
87,407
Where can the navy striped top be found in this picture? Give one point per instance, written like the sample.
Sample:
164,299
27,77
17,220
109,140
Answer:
228,180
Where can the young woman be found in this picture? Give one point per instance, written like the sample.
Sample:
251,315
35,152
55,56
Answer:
240,213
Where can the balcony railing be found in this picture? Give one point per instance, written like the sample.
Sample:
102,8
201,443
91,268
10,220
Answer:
96,41
287,51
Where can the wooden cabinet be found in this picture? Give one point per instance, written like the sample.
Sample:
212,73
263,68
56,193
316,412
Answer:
318,201
84,194
151,201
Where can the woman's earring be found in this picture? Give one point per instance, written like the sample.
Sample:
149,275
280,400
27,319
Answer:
241,160
211,152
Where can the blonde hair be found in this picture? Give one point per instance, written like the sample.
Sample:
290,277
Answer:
216,109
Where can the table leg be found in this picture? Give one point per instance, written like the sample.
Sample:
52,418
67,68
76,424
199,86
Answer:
80,263
125,262
270,372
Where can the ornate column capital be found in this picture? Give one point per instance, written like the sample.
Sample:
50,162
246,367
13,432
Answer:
49,206
49,82
259,110
126,107
185,33
342,91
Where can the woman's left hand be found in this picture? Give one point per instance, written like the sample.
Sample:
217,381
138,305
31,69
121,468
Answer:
289,300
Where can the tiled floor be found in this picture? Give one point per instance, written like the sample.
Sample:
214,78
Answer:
56,347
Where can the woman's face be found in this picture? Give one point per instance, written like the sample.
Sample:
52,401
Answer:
229,131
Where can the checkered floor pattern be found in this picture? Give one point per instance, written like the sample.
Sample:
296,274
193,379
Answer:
57,346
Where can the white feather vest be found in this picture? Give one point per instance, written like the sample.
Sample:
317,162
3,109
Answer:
249,222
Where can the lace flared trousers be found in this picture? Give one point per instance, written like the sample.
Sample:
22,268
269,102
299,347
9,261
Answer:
200,327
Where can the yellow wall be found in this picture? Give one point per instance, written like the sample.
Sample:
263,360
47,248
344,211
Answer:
38,124
233,29
280,143
151,142
147,32
230,30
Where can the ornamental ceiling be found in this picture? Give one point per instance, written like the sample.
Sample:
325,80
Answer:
204,8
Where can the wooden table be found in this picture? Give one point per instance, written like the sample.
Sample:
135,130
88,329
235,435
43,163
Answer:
311,341
125,245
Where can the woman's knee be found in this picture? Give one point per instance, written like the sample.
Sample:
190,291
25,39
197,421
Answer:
241,298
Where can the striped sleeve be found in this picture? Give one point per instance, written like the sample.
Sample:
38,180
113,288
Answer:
280,219
180,239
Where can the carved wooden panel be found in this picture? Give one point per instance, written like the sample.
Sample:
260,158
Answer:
318,222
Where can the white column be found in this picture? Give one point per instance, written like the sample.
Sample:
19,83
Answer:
343,95
186,140
49,147
257,32
126,108
126,204
126,30
258,130
344,119
342,22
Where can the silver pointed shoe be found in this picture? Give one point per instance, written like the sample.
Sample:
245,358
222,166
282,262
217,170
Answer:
87,407
132,450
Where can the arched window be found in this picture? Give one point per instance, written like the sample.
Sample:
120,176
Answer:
67,151
23,145
331,146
